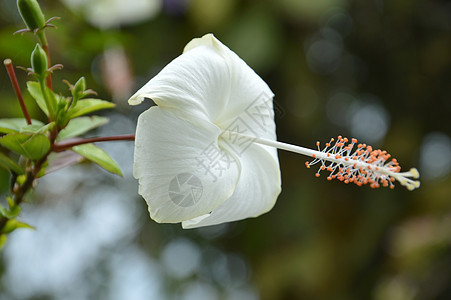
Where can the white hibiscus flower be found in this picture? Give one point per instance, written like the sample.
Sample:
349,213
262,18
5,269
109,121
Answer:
207,153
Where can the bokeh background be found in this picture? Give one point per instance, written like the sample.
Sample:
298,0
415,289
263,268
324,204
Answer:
376,70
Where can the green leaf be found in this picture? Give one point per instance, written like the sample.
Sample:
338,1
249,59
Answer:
12,212
81,125
10,201
87,106
2,240
9,164
34,129
16,124
35,91
13,224
32,146
54,98
14,209
98,156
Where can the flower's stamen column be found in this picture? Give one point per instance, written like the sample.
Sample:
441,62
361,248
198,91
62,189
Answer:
361,166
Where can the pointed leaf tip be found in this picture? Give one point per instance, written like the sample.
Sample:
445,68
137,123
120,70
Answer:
13,224
86,106
98,156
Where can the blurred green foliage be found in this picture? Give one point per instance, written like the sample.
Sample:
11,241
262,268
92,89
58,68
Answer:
323,240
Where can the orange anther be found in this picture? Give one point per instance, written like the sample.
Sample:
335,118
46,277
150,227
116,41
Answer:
317,175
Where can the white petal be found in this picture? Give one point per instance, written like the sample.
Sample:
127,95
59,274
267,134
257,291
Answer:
249,107
173,162
246,87
207,81
196,82
256,192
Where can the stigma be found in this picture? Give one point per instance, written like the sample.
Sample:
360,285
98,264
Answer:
353,162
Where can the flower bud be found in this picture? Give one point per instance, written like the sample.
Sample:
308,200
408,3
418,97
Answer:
31,14
39,61
80,87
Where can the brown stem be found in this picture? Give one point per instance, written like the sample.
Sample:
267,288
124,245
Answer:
23,189
12,76
67,145
12,182
49,77
3,221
